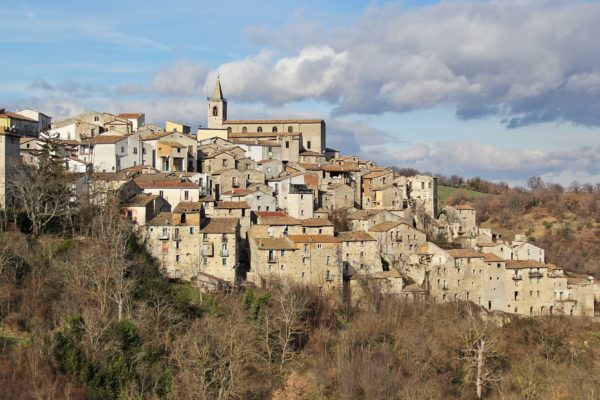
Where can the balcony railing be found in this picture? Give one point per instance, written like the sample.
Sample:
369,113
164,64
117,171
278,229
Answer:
536,275
272,260
163,236
517,277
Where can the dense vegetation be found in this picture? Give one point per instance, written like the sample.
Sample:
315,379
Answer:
84,313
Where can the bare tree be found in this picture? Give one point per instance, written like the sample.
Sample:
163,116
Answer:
42,191
480,352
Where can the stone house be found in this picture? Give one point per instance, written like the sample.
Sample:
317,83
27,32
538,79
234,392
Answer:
143,207
363,220
336,196
271,168
172,190
360,253
257,200
9,151
301,259
316,226
220,249
397,240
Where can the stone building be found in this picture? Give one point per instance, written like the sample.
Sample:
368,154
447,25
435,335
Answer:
336,196
312,130
9,158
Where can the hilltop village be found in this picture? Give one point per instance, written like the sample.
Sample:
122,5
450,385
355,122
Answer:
266,202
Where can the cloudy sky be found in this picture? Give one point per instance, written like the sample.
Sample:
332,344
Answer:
499,89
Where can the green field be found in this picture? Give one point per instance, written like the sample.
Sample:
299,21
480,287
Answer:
444,193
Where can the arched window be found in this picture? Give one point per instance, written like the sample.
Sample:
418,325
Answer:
215,111
229,130
290,129
244,130
259,129
274,130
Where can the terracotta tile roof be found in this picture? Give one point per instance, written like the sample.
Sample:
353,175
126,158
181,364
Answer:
316,222
8,114
274,244
238,192
188,207
355,236
464,253
162,219
206,199
232,204
492,258
311,153
463,207
385,226
106,139
314,239
270,214
363,214
130,115
257,142
376,174
280,221
155,135
413,288
310,166
488,244
220,225
166,184
141,200
344,167
272,121
172,143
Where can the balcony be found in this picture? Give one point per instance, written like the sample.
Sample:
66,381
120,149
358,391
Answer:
536,275
272,259
517,278
444,287
163,236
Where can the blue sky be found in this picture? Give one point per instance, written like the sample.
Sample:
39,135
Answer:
500,89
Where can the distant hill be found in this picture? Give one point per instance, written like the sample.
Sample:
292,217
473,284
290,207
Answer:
445,193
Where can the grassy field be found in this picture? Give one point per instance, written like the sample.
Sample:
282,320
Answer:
444,193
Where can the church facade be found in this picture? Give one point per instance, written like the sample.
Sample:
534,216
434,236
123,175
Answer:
311,131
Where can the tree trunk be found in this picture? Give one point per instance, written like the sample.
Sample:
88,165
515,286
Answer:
480,362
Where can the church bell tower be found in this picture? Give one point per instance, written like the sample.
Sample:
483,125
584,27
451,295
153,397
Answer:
217,107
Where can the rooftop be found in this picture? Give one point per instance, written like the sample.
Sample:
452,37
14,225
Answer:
355,236
219,225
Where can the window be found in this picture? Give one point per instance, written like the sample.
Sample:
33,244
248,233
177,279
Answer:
287,144
290,129
244,130
165,232
327,260
135,150
186,195
274,130
259,129
122,149
143,150
224,162
161,193
96,118
224,262
191,230
229,130
305,247
215,111
319,246
177,258
308,144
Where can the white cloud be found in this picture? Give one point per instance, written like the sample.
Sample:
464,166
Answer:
526,61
